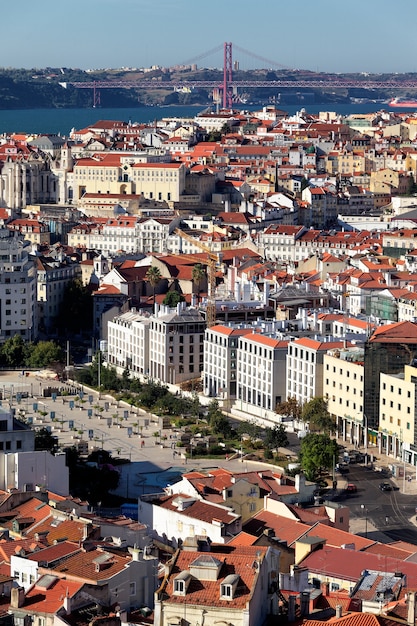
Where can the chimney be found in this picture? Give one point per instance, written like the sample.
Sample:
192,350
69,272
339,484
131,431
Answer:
67,604
325,588
338,610
411,608
305,601
17,597
291,608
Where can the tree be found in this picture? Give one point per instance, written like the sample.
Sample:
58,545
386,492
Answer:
317,452
173,298
44,353
13,351
315,413
198,274
76,310
276,437
153,276
290,408
44,440
218,422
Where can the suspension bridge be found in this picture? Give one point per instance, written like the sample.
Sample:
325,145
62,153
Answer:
225,91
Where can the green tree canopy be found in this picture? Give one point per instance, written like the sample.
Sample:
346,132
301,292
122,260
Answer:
315,413
290,408
317,452
153,276
173,298
44,353
276,437
218,422
13,352
198,275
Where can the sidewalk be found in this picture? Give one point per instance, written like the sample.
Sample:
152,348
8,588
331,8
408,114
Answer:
406,483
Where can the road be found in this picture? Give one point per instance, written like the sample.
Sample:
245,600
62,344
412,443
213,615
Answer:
391,512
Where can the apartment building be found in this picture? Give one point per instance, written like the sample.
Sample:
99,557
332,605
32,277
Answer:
128,342
17,288
277,243
176,346
53,278
343,375
397,415
305,367
220,360
260,375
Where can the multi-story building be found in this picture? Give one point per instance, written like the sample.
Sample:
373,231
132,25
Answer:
305,367
176,344
53,278
17,288
220,360
237,587
110,173
260,375
128,342
343,374
387,351
397,433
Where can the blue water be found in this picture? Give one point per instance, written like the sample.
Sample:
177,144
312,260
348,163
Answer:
63,120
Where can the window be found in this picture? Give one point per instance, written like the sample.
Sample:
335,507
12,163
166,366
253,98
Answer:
133,589
226,591
179,586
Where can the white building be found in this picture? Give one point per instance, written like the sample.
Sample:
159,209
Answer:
177,517
17,288
220,360
260,375
305,367
27,470
128,342
167,346
15,435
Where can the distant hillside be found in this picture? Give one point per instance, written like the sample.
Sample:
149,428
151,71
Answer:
24,89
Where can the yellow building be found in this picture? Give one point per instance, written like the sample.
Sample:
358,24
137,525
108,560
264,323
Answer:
343,373
109,174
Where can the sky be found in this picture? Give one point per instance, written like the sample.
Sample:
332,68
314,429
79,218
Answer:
373,36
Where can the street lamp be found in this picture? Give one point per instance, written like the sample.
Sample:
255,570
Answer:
363,507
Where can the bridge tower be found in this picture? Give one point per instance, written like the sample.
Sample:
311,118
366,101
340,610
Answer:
227,75
96,96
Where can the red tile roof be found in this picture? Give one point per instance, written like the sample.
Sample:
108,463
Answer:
207,592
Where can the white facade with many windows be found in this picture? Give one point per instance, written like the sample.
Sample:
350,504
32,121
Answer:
128,342
220,360
305,367
17,288
260,375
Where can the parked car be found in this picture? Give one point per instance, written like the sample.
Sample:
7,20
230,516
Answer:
342,468
385,486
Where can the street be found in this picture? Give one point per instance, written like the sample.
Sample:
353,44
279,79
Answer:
392,513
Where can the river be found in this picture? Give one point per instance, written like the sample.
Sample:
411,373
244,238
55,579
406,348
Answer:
61,121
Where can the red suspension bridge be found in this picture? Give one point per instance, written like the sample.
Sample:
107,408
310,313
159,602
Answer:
225,90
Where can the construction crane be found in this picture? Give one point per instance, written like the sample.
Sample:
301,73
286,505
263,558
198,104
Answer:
211,274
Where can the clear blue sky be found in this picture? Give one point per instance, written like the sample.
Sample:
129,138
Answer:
325,35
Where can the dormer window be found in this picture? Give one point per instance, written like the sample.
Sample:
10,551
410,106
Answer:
226,592
228,587
181,583
179,587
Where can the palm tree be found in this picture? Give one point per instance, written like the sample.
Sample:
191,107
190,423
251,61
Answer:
198,275
153,276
